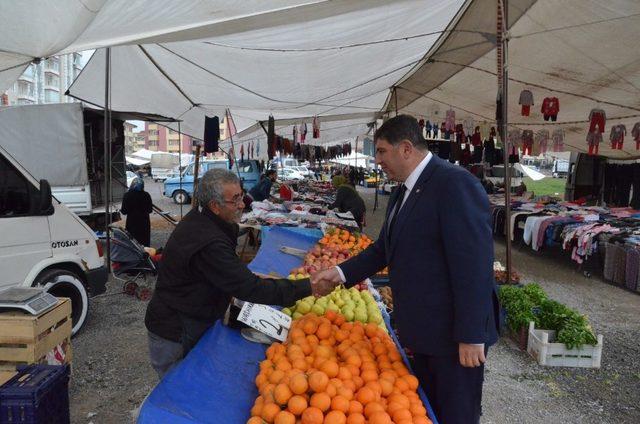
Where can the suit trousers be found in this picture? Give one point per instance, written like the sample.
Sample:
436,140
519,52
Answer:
454,391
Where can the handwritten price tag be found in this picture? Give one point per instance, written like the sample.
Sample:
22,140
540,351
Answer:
265,319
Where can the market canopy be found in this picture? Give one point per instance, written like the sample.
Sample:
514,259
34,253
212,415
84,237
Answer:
136,161
584,52
333,58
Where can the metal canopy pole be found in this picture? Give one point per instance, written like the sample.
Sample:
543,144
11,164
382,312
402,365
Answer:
180,164
107,158
504,96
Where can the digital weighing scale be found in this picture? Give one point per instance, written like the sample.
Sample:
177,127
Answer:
31,300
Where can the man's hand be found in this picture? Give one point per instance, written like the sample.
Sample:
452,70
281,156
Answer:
471,355
323,282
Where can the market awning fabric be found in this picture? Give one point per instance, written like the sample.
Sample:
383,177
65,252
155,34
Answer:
136,161
335,59
584,52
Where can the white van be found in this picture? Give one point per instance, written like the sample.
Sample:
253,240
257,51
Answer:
43,243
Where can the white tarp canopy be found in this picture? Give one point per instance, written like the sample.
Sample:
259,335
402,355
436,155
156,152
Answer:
336,58
136,161
584,52
144,154
354,159
529,172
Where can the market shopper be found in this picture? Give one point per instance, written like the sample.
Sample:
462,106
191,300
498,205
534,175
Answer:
262,190
348,200
201,272
137,205
438,245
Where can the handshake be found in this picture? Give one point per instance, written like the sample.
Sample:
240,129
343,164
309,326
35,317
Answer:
323,282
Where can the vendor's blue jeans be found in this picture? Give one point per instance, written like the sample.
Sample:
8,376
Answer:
164,354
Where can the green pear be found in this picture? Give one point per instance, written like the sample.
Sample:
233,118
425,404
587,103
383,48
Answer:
297,315
303,307
287,311
339,302
361,315
348,315
323,301
375,318
317,309
310,299
345,295
333,307
354,291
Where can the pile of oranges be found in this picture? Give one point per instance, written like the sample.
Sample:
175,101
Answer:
334,372
338,239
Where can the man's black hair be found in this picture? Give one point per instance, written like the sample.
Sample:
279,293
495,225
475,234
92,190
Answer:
402,127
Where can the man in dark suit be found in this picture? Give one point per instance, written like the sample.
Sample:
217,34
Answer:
438,245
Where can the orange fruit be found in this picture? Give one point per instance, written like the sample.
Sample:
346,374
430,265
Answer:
380,418
355,407
282,394
330,368
276,376
318,381
285,417
312,415
372,408
269,412
256,410
365,395
402,414
412,381
335,417
297,404
324,331
369,375
322,401
340,403
298,384
401,385
255,420
422,420
309,327
345,392
418,410
356,418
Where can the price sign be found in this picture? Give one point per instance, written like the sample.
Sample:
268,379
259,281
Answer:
265,319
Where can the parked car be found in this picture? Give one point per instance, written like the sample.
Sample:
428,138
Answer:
304,171
289,174
182,191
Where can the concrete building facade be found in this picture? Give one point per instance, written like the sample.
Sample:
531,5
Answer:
162,139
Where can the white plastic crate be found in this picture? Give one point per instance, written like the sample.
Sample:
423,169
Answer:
542,348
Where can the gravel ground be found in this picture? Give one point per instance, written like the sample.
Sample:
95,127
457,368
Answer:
112,375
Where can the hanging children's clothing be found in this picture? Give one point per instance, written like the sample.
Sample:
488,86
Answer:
444,133
558,140
316,127
550,108
434,128
526,100
303,132
460,138
427,127
450,120
593,140
490,152
485,130
527,142
468,126
542,138
617,136
476,138
597,119
295,133
635,133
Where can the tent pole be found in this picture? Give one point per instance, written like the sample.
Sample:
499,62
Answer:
107,157
375,202
502,5
233,149
180,162
196,170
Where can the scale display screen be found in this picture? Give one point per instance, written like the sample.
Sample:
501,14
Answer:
32,300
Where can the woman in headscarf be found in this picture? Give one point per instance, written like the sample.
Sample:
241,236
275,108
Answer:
348,199
137,205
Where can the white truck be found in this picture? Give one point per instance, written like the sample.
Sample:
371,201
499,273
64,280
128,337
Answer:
64,144
164,165
44,244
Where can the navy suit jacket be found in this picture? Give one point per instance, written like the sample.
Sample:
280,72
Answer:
440,259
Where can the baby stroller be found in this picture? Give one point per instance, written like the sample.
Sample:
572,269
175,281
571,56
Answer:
131,263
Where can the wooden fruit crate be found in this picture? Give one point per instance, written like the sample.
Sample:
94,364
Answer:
543,349
26,339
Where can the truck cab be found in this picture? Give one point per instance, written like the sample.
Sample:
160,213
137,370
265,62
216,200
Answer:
44,244
182,190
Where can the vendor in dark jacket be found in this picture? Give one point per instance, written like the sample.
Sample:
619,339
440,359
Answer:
201,272
262,190
348,199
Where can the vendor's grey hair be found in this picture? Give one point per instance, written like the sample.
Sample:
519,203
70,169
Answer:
210,187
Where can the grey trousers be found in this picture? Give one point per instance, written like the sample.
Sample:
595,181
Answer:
164,354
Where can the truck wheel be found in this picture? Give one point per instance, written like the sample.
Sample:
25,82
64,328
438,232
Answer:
181,197
63,283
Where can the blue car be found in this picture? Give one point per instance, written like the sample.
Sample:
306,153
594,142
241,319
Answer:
182,193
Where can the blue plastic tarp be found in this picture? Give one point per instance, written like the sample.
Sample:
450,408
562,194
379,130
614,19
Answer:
213,384
271,260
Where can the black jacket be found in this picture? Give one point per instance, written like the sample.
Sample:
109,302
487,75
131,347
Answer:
201,271
137,206
348,200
